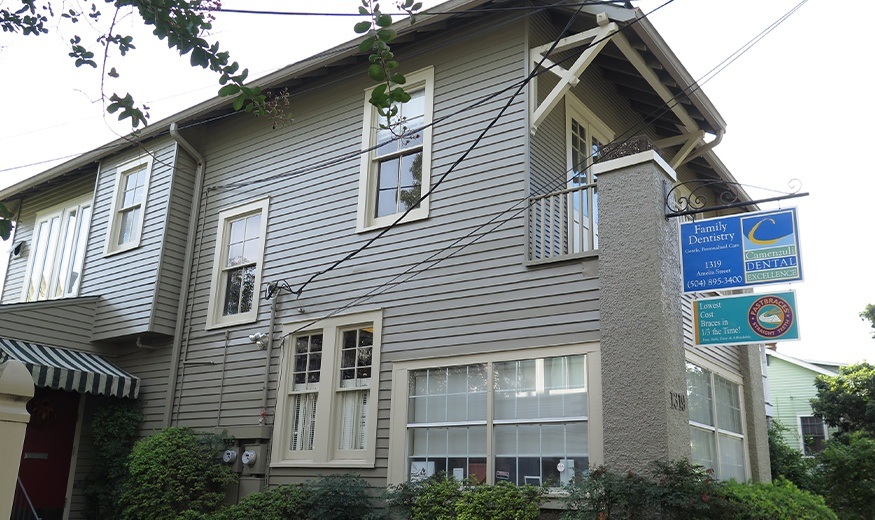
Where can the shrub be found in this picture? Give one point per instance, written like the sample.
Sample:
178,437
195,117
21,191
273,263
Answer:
340,497
173,471
433,498
280,503
788,462
503,501
845,476
113,432
780,500
672,490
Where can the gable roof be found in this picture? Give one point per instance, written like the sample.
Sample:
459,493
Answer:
803,364
642,34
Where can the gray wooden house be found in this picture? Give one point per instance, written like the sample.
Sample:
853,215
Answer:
523,322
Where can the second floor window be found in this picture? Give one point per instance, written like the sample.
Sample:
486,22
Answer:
57,252
129,204
237,264
395,173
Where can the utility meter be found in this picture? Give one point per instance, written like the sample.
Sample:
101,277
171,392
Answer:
249,457
229,457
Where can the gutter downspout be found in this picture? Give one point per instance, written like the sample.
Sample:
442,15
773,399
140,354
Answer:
702,150
186,273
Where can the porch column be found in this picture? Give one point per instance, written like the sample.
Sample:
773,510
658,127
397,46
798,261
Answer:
643,367
16,388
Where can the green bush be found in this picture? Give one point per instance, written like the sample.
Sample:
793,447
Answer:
503,501
433,498
113,432
173,471
845,476
280,503
670,490
788,462
340,497
444,498
780,500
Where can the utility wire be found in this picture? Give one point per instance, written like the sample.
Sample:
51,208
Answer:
397,279
452,167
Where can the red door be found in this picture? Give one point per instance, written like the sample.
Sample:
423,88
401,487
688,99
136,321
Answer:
48,448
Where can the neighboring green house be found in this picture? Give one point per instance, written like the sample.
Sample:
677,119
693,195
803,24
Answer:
791,383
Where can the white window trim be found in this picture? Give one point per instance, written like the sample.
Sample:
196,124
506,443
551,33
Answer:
701,362
324,452
111,247
399,403
367,179
215,319
59,211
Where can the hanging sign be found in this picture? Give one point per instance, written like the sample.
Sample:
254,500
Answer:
745,318
740,250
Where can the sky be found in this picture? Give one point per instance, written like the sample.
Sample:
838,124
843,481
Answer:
798,105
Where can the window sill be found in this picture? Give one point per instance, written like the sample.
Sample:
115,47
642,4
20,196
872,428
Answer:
120,249
384,222
293,463
239,319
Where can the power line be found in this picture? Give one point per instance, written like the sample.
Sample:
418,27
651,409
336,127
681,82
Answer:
686,92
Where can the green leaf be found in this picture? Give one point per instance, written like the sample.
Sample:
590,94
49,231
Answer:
384,20
364,11
398,79
386,35
362,27
367,44
376,73
238,102
229,90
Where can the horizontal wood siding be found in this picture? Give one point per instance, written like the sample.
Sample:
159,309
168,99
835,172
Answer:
127,280
174,246
792,388
59,323
480,298
55,194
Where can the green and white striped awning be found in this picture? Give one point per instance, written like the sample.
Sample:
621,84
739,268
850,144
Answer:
70,370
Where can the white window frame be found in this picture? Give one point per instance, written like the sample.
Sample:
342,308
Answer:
325,452
117,209
398,426
367,197
55,250
594,127
735,379
215,318
802,434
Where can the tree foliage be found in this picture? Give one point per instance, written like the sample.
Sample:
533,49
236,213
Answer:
847,400
846,476
786,461
869,314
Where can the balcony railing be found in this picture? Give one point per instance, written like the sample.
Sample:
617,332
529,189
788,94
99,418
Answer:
563,224
22,508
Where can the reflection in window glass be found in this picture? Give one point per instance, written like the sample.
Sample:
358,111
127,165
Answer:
539,429
715,444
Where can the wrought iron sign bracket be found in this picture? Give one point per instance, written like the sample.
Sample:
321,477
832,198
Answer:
726,193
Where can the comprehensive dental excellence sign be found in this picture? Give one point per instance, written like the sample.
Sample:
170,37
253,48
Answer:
740,250
746,318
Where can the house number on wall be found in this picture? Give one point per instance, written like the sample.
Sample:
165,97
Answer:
678,401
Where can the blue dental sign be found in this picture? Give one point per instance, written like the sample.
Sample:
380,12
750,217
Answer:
740,250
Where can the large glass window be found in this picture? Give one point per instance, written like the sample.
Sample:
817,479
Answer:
716,429
132,186
237,264
396,168
326,407
522,421
57,253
